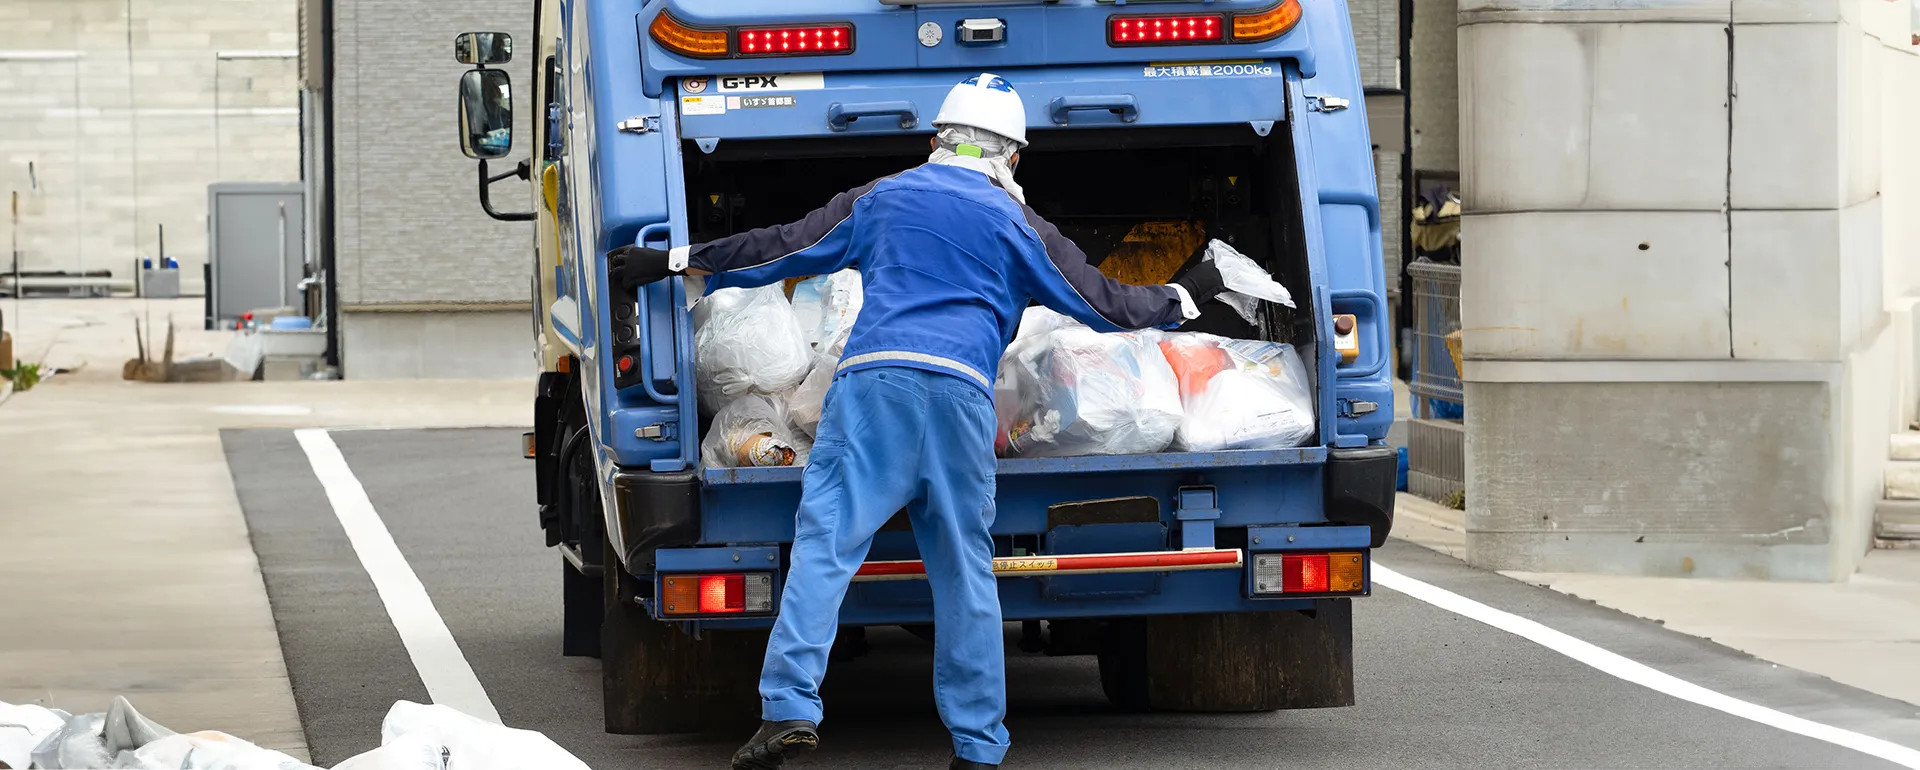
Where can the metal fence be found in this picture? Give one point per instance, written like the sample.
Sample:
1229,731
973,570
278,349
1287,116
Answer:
1436,314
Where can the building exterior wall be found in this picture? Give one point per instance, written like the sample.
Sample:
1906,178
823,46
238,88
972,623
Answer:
115,124
1435,87
1684,254
410,236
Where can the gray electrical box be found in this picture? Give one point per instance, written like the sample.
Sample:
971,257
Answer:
256,255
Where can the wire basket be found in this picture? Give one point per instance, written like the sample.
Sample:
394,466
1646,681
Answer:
1436,340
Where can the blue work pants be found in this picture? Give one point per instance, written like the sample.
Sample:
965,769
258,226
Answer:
893,438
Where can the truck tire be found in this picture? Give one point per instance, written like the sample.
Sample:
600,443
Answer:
1232,662
658,679
583,602
583,605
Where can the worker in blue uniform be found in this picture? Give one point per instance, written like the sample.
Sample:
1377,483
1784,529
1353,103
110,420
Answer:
949,255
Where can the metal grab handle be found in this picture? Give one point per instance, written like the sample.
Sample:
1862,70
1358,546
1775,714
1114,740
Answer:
1062,107
642,313
841,116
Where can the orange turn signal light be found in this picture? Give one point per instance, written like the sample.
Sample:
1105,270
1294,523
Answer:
1265,25
697,42
1346,572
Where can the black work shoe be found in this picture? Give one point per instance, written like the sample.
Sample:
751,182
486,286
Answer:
775,740
967,764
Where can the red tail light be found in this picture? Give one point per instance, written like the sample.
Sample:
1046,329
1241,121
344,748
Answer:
730,593
723,593
1165,30
1199,29
816,39
1301,574
797,41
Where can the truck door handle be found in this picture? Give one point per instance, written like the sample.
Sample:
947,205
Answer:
1062,107
841,116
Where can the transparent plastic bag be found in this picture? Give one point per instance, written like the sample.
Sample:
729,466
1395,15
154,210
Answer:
753,431
827,305
79,743
747,341
806,403
1074,391
1246,282
206,750
1239,394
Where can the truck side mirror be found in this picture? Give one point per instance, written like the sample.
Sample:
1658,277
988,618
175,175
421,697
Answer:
486,114
483,48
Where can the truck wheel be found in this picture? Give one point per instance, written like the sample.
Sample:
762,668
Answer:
583,605
658,679
1246,661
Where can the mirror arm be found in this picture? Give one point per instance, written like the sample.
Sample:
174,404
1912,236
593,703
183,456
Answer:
523,171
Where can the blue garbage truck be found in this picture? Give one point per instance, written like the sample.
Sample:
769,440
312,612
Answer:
1203,581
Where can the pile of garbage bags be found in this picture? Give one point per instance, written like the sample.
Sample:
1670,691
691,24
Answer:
765,362
412,737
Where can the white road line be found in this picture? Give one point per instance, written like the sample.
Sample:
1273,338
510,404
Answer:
1639,673
444,670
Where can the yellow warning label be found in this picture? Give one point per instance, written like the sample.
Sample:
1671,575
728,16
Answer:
713,199
1232,181
1026,565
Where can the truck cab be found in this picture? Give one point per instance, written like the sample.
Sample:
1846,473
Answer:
1204,581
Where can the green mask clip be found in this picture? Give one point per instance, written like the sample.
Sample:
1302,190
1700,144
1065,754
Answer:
969,150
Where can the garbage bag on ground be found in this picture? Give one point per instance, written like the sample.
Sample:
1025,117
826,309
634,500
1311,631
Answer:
22,728
79,743
1239,394
1074,391
466,743
206,750
747,341
1246,282
753,431
825,306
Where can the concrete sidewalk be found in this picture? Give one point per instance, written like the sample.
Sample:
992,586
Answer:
127,567
1863,633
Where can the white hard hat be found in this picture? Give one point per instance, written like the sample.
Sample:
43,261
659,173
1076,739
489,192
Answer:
986,101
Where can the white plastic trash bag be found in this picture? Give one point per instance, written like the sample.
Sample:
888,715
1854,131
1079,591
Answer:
746,341
22,728
1239,394
753,431
407,753
1246,282
1075,391
467,743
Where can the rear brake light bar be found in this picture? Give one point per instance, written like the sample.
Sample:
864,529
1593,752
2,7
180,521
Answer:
1126,30
726,593
815,39
1342,572
1071,564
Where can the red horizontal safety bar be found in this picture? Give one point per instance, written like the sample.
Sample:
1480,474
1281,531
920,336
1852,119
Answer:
1071,564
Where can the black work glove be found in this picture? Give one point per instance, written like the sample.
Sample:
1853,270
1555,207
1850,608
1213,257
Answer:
631,267
1202,281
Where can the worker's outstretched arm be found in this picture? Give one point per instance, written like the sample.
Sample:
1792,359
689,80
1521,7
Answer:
1057,274
815,245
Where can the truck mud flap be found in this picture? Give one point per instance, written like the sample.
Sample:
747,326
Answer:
1360,488
652,511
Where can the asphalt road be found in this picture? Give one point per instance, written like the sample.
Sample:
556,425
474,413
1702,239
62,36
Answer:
1435,689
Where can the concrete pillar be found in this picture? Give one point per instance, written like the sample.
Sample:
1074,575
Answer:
1688,281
